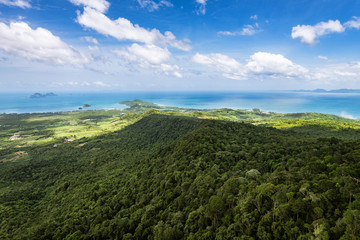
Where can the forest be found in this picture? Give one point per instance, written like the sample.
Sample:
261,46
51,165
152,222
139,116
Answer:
151,172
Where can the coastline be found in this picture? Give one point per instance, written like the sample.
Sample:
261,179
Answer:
340,104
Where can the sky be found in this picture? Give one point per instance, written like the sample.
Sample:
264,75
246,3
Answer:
187,45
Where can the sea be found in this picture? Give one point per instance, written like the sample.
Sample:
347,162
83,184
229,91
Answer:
341,104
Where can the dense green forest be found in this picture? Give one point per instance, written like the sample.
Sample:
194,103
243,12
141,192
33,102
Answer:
219,174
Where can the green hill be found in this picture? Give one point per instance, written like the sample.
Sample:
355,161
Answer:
179,177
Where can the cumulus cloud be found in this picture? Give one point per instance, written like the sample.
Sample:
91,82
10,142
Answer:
264,64
274,64
149,57
99,5
17,3
171,70
225,64
247,30
308,34
38,44
149,53
154,6
152,54
202,7
260,63
354,23
123,29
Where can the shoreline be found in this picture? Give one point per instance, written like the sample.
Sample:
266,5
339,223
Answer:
340,104
190,110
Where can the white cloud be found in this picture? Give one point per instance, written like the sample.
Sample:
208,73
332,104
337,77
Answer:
99,5
74,84
202,7
228,66
152,55
38,44
101,84
323,57
149,57
93,48
177,74
260,63
171,70
254,17
342,72
355,23
91,40
248,30
71,83
123,29
154,6
149,53
17,3
86,84
345,74
274,64
308,34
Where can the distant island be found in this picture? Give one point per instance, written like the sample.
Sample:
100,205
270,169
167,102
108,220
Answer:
39,95
319,90
139,103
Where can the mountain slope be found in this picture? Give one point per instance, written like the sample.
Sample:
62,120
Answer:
167,177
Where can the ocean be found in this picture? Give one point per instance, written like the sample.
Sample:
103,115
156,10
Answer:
342,104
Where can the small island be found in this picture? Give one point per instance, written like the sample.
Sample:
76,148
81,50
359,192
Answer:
139,103
86,105
40,95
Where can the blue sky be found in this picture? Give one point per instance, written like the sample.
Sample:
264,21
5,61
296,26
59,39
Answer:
167,45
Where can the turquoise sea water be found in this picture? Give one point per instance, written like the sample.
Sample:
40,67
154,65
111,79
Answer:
342,104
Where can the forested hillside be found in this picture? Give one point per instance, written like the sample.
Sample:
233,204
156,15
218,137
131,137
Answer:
177,177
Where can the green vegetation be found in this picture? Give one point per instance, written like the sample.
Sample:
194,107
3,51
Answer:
180,174
139,103
139,106
21,130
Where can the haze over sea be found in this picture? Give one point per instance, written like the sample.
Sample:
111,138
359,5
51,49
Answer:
342,104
